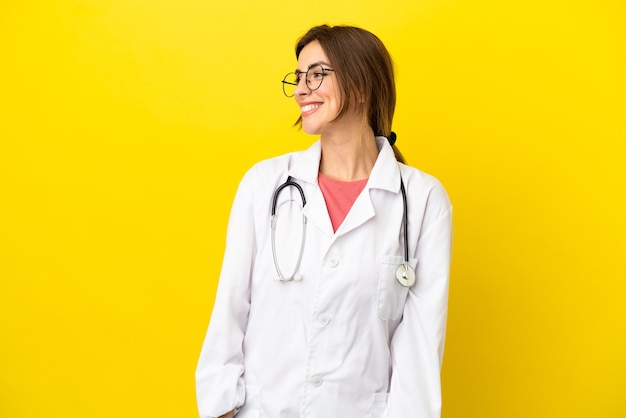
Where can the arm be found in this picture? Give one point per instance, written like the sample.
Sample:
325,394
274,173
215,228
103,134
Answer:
219,385
417,345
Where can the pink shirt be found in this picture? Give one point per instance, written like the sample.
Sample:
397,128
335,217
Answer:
339,197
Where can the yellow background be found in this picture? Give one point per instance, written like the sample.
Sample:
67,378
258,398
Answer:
125,126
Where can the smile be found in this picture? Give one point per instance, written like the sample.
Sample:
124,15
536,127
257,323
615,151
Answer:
309,108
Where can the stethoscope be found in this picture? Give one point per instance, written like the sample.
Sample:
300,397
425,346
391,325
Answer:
404,273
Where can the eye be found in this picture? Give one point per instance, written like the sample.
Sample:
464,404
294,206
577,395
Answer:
319,74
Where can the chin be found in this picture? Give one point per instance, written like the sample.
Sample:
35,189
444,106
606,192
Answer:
311,130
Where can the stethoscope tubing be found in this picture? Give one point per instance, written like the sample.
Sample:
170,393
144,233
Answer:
280,188
405,222
294,276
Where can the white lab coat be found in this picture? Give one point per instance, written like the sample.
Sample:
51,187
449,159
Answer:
348,340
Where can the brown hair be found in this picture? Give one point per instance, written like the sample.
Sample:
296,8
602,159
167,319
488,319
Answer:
363,68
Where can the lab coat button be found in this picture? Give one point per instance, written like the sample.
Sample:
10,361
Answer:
316,380
324,319
333,262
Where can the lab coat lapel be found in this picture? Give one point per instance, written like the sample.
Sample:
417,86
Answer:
385,175
317,212
305,169
362,210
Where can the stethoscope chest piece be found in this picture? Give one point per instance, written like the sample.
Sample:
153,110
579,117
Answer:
405,275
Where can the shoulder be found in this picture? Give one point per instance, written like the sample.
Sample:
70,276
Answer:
420,181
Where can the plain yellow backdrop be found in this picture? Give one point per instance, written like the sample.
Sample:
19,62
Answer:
125,126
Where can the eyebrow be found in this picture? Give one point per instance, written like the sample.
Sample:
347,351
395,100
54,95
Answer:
322,63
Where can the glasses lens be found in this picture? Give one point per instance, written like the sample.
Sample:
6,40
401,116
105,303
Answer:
290,82
314,77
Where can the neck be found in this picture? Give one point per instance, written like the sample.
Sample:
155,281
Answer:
348,157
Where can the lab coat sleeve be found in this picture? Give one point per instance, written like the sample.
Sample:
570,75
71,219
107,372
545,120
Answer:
417,345
219,384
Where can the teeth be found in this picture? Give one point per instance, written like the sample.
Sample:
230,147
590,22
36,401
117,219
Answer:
309,107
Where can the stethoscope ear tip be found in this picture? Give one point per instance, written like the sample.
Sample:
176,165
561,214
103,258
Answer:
297,277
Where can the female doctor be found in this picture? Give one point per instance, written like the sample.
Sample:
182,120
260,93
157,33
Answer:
332,298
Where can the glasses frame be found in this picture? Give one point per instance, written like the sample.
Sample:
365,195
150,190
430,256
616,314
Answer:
298,75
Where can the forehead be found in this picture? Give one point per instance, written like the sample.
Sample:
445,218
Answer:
311,54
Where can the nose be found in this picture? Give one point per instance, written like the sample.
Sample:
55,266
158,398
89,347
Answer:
302,89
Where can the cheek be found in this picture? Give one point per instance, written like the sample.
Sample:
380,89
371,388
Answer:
335,91
332,98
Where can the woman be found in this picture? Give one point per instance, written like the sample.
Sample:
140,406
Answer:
320,318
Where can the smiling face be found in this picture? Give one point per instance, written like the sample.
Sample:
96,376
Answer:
319,108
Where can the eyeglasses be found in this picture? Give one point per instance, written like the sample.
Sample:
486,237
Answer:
314,77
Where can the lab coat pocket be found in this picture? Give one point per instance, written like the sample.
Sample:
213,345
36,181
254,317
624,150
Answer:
251,408
379,405
391,294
